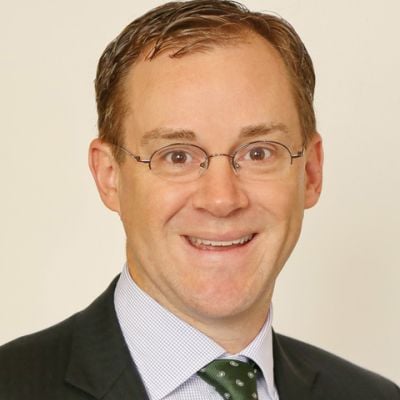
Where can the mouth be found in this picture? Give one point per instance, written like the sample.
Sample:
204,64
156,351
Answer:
219,245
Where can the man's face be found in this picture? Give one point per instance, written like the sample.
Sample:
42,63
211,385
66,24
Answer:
216,95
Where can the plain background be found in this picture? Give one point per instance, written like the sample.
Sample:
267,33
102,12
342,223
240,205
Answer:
59,247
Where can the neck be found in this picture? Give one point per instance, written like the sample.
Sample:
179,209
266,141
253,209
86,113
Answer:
233,334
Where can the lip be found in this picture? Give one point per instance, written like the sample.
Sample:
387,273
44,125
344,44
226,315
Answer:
220,238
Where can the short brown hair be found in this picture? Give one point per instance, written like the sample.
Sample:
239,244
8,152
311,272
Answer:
189,26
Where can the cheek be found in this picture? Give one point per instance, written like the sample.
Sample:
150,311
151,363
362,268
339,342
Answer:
281,199
149,204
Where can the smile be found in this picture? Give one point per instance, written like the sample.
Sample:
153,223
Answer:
212,244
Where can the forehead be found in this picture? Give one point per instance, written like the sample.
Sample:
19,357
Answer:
210,92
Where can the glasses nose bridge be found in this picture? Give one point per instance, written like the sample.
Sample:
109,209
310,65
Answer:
230,156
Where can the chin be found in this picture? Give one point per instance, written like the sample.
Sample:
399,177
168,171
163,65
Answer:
224,312
225,301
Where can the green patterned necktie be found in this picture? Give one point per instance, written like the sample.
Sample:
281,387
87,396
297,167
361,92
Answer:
232,379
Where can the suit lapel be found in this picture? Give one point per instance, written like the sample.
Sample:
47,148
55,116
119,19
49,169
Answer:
294,378
100,363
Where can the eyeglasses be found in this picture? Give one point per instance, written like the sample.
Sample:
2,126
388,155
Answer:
183,162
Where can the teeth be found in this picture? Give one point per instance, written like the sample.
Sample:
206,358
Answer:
217,243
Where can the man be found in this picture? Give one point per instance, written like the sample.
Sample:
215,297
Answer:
209,153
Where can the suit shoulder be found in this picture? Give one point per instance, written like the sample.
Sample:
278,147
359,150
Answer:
337,374
36,355
56,330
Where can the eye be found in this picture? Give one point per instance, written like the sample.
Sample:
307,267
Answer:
258,153
178,157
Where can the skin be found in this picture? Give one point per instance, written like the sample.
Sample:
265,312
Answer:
215,94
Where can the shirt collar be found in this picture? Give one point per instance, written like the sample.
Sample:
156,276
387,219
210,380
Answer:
260,351
163,342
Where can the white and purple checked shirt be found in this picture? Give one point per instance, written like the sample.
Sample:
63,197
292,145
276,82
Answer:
168,352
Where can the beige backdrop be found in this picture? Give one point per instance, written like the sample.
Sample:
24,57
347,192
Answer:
59,247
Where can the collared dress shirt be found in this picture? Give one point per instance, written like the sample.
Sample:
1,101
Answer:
168,352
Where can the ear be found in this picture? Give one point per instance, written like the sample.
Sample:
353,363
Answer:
105,171
313,171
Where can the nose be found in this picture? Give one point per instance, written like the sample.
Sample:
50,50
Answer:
219,190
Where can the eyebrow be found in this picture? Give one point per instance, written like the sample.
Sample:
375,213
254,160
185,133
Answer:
248,132
254,131
165,133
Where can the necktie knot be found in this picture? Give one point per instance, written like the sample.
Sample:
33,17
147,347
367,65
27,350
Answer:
232,379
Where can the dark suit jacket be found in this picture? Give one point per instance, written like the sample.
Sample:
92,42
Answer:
85,357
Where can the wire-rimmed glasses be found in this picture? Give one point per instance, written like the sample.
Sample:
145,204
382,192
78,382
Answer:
184,162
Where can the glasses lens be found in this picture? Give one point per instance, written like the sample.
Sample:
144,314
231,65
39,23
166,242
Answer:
262,160
178,162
